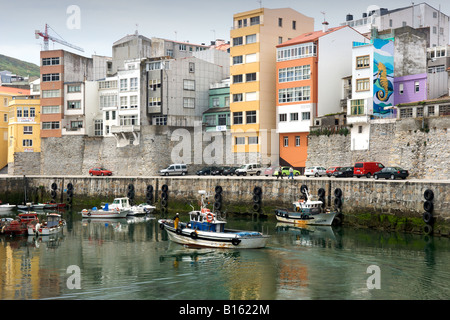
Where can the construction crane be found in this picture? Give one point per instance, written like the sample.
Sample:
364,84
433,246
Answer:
47,37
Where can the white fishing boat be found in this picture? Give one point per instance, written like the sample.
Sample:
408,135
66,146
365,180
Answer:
306,212
206,229
7,207
52,225
104,212
124,203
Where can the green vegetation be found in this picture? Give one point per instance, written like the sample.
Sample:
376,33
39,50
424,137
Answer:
19,67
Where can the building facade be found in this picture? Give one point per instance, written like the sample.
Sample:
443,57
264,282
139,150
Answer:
254,36
217,116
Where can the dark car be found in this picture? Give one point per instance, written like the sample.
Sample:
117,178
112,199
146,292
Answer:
229,171
218,171
100,172
391,173
206,171
343,172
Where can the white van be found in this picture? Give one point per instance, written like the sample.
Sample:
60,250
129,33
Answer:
174,169
250,168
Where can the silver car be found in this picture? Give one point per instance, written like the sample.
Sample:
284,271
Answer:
315,171
174,169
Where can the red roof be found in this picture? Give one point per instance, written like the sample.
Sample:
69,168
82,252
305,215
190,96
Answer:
308,37
14,91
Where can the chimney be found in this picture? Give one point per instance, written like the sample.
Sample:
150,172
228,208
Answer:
325,26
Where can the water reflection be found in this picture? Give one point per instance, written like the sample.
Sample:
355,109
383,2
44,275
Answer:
133,259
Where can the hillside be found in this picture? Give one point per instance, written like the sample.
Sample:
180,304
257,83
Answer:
18,67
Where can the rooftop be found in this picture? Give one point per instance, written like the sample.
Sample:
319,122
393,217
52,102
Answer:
309,36
14,91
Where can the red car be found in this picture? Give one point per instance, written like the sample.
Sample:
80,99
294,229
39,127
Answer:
332,170
99,172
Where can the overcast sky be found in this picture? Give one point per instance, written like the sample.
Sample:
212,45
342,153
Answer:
101,22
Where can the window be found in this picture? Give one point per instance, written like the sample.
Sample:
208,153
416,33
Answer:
74,88
50,61
215,102
419,112
5,117
189,103
252,140
239,140
210,120
280,40
297,52
249,58
50,77
50,109
27,143
107,115
50,94
133,102
285,141
131,120
254,20
250,96
357,107
294,73
98,128
222,118
250,77
76,124
108,100
363,62
123,84
430,111
123,102
238,78
237,97
19,112
238,41
360,129
250,39
294,94
237,118
237,60
251,116
74,104
191,67
182,47
280,22
133,84
400,88
50,125
362,84
27,130
306,115
294,116
416,86
294,25
297,141
283,117
189,85
107,84
406,113
159,120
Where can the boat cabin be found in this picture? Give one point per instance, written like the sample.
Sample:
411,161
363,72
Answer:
28,217
53,220
205,220
121,203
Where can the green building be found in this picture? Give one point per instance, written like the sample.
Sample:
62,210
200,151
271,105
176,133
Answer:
217,117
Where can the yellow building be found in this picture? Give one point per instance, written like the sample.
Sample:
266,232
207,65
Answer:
254,37
6,95
24,131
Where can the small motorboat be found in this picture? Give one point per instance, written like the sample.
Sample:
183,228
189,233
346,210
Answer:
19,227
53,225
306,212
207,229
104,212
7,207
124,203
31,206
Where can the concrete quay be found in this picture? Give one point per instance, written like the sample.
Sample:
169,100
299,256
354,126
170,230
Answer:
387,204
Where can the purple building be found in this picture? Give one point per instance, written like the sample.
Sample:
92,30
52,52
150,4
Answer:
410,88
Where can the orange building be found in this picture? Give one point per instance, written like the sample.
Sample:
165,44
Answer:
310,69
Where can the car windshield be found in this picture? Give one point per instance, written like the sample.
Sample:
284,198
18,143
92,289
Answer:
243,166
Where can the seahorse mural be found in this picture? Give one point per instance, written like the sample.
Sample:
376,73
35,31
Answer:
382,95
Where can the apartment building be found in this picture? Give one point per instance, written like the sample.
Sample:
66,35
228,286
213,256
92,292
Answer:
254,36
308,68
217,116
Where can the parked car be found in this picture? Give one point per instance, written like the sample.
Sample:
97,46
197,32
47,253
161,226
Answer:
218,171
206,171
391,173
366,168
285,172
269,171
343,172
229,171
315,171
332,170
174,169
250,168
100,172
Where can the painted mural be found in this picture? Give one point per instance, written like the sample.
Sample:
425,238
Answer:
383,78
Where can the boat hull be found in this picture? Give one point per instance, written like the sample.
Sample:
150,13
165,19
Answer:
45,231
104,214
322,219
226,240
7,207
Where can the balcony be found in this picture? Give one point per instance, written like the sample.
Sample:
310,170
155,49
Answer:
125,129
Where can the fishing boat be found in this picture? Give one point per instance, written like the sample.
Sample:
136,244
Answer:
124,203
7,207
306,212
19,227
31,206
207,229
104,212
53,225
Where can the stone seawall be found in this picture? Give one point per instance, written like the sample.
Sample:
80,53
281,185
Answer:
396,203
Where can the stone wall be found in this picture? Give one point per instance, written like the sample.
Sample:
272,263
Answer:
25,163
421,147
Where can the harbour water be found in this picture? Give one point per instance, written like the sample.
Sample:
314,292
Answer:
132,259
